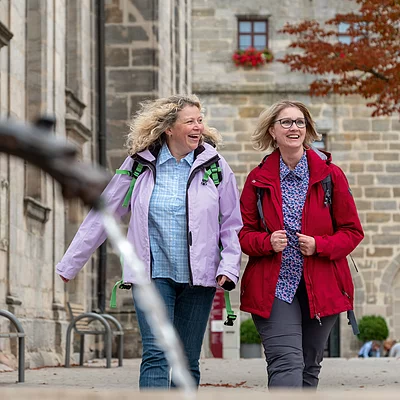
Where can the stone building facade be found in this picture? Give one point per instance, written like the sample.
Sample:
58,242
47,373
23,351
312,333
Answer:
366,148
43,72
49,64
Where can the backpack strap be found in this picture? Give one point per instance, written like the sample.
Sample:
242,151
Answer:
327,186
137,169
230,315
260,192
214,170
121,284
351,317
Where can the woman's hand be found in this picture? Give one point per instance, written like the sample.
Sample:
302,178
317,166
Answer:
307,244
279,240
64,279
222,279
226,283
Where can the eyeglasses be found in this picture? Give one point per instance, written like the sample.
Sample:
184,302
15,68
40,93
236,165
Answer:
287,123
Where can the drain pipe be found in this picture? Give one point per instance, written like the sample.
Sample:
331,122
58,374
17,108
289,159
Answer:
101,126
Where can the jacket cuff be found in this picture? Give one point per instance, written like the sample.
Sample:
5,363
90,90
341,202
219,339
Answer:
222,271
64,271
319,245
268,244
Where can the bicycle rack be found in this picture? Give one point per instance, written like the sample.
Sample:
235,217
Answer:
21,342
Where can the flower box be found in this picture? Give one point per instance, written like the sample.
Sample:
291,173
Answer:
252,58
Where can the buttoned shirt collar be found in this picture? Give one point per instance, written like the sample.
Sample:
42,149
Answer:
300,171
166,155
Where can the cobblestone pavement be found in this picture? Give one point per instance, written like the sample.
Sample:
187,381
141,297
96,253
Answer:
337,374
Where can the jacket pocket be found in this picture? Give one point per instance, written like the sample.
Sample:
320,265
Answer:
340,282
246,279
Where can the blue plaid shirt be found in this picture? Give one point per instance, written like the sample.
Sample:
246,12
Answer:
294,186
167,217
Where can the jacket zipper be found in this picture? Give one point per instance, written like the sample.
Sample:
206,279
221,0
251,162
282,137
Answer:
317,315
152,168
189,233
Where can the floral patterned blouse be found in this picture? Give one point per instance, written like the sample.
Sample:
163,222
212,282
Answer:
294,186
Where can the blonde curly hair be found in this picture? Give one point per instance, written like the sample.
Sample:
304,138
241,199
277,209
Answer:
261,137
148,126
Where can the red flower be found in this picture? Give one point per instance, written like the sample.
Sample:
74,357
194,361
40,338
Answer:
252,57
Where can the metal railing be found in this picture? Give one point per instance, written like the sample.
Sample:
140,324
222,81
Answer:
20,334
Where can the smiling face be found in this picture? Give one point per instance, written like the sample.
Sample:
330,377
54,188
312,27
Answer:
185,134
289,138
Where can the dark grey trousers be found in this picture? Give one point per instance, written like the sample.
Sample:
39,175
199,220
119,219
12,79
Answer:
293,342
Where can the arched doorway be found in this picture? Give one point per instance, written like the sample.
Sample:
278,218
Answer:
395,332
390,287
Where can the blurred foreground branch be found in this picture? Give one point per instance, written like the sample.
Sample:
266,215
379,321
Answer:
55,156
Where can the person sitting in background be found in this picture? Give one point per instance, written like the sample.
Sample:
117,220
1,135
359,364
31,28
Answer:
395,351
392,348
370,349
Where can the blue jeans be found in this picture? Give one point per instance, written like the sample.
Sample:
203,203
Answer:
188,308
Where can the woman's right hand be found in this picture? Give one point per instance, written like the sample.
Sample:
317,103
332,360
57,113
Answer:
279,240
64,279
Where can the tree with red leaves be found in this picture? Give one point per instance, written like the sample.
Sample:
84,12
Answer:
363,60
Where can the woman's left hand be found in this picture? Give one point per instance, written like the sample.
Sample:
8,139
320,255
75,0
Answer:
222,279
307,244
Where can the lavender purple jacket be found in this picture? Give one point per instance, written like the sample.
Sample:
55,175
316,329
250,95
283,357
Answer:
213,215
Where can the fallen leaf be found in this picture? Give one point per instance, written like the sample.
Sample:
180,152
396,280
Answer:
227,385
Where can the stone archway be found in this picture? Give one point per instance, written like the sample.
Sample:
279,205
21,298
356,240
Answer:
349,343
390,291
359,290
395,331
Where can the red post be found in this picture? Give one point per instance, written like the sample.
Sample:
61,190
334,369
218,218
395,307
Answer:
217,324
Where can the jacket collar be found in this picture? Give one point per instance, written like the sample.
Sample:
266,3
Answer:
203,153
318,165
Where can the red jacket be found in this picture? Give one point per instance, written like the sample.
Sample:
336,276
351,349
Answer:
327,276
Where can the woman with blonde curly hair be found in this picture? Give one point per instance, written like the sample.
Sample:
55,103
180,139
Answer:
179,219
299,224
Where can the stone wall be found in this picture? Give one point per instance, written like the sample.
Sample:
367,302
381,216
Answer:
33,219
365,148
48,64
